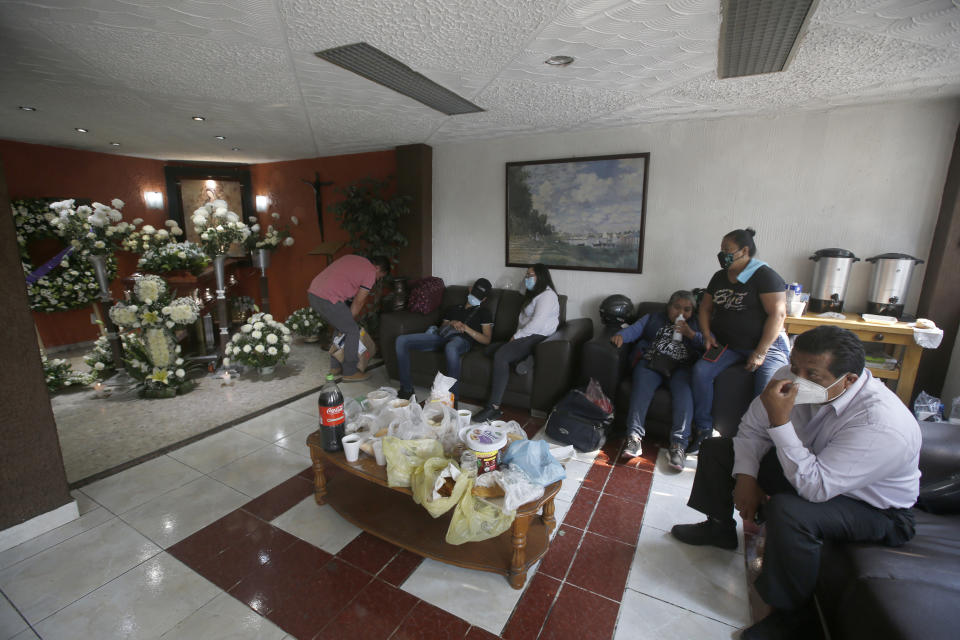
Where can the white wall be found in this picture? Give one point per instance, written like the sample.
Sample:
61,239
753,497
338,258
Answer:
868,179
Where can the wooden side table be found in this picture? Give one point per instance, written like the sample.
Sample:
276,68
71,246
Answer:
899,334
358,491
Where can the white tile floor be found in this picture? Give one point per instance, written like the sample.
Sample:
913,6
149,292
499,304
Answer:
106,575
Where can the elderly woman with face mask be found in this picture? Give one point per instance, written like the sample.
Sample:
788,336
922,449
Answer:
667,344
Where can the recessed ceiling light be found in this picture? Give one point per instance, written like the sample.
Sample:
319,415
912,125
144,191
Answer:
199,118
27,108
220,137
559,61
235,149
81,130
114,144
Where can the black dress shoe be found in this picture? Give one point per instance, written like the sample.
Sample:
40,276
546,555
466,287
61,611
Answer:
488,414
708,532
404,394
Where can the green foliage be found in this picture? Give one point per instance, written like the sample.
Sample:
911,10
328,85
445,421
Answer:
524,219
372,218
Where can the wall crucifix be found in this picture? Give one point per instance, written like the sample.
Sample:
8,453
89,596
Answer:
318,196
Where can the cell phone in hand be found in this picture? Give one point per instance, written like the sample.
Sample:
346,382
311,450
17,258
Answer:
714,352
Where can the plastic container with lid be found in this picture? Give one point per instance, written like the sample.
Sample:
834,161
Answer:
486,442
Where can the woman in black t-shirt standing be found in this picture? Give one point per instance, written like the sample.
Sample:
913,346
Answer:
743,310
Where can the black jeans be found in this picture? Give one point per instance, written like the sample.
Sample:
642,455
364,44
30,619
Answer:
795,528
507,354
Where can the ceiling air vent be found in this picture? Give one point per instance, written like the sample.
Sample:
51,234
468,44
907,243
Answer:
373,64
760,36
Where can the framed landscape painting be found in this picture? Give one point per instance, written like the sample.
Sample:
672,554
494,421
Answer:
578,213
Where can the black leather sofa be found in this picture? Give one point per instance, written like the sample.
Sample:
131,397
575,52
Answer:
556,359
732,389
870,591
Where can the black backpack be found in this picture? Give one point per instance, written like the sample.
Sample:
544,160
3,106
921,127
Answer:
578,422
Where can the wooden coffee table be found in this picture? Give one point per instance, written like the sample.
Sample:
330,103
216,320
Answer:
358,491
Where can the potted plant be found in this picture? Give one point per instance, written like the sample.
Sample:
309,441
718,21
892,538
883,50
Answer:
306,323
262,343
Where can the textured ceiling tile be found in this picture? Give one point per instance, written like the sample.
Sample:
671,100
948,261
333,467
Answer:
935,22
179,65
446,35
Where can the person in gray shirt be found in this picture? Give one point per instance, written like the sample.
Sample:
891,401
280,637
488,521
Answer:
826,452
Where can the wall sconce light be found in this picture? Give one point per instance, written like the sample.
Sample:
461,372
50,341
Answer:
262,203
154,199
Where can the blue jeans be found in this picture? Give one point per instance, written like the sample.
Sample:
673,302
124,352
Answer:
453,347
645,383
705,372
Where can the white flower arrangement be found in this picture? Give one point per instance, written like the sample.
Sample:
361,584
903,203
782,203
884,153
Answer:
97,229
176,256
58,374
219,228
149,238
100,359
273,238
305,322
70,285
261,342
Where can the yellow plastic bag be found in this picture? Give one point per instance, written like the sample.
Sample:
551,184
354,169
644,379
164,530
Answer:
406,456
422,483
475,519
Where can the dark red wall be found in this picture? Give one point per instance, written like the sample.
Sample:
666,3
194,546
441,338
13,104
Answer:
38,171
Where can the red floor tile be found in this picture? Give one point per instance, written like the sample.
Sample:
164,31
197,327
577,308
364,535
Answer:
373,615
281,498
580,615
368,552
629,484
307,473
601,566
245,555
532,609
610,451
214,538
647,461
400,568
476,633
562,549
427,622
285,576
597,477
617,518
582,508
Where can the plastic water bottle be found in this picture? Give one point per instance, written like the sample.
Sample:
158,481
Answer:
330,405
677,336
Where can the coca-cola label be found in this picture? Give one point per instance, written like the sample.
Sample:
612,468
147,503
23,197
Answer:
331,416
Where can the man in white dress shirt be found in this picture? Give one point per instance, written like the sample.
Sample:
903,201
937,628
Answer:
826,452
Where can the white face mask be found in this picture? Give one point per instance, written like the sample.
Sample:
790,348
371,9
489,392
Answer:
809,392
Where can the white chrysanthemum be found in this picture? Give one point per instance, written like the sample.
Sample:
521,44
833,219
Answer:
255,228
272,351
148,229
246,328
170,223
258,325
271,338
232,217
181,373
288,241
226,362
247,348
99,366
259,348
117,203
286,348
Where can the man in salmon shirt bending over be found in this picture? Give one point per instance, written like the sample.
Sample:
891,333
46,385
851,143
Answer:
348,278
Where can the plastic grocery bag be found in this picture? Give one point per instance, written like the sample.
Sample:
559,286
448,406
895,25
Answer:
518,489
440,391
474,519
406,456
444,424
534,458
424,480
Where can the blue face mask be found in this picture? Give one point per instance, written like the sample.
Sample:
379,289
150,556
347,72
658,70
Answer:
529,281
473,301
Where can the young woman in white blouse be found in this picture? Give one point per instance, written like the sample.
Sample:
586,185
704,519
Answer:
539,318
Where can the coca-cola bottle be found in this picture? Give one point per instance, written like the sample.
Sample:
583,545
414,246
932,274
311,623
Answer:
332,419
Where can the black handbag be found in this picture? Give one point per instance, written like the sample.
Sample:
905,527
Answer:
663,364
579,422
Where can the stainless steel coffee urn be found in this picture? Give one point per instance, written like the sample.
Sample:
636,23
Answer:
831,273
891,279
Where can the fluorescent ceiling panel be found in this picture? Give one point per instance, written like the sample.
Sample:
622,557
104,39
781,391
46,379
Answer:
759,36
373,64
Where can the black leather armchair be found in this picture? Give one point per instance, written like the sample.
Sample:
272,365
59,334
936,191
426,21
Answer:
555,363
868,591
732,389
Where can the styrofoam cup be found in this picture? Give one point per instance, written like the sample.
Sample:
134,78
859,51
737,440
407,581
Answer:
351,447
796,308
378,451
463,417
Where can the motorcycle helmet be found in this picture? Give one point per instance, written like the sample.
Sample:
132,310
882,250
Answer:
616,310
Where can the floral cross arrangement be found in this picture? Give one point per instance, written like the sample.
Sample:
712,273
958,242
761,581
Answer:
218,228
176,256
92,230
272,237
151,354
305,322
261,342
148,237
